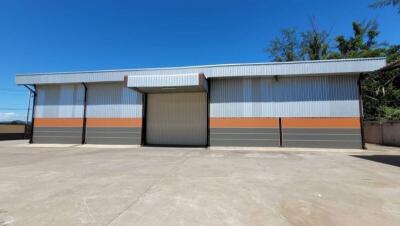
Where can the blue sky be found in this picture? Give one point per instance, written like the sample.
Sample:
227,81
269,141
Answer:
71,35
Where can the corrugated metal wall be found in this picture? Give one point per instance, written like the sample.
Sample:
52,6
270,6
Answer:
333,96
114,114
316,111
113,100
58,114
59,101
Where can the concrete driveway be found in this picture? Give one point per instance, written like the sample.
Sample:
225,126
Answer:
72,185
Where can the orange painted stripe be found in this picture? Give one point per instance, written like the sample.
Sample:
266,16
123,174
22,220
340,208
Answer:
114,122
244,122
345,122
58,122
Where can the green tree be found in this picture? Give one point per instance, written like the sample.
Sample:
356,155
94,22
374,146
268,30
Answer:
393,53
382,3
286,47
363,43
380,90
292,45
314,43
381,94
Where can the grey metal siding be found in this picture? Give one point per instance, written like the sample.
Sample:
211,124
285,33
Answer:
301,68
57,135
176,119
107,135
248,137
334,96
321,138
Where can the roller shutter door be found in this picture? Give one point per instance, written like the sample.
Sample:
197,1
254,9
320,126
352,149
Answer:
176,119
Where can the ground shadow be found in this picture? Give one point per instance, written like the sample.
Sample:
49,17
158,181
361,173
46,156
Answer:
393,160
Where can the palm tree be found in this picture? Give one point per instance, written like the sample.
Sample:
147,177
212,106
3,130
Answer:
382,3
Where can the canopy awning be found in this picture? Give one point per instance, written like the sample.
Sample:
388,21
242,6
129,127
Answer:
193,82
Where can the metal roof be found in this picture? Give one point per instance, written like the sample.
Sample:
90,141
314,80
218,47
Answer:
296,68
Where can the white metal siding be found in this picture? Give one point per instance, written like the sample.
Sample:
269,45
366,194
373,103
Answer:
113,100
59,101
333,96
176,119
164,81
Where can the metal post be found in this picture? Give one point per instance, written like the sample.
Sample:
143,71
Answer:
33,110
84,114
280,132
27,115
360,103
144,112
208,111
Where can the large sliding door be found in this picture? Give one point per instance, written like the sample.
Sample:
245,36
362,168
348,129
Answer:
176,119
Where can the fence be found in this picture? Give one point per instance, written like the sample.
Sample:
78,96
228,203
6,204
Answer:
385,133
13,132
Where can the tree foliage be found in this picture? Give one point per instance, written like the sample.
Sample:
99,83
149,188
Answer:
286,47
314,43
382,3
380,90
292,45
381,95
362,44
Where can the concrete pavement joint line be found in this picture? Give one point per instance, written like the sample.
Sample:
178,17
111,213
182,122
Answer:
88,209
173,169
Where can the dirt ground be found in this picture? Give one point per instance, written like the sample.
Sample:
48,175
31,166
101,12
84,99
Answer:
117,185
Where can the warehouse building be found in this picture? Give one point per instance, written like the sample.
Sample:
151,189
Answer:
290,104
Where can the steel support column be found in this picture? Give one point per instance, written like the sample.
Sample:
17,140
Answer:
360,103
84,114
33,110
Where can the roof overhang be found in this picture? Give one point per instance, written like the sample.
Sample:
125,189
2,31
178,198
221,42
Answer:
281,69
194,82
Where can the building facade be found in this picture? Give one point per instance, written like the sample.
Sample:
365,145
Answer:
292,104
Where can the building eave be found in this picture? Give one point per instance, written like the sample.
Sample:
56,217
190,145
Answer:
270,69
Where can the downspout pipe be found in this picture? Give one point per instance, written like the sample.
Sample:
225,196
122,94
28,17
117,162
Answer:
32,90
27,116
361,110
84,114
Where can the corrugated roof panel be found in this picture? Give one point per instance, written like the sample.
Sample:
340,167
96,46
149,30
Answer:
300,68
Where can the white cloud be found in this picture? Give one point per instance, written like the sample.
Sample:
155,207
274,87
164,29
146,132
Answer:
8,116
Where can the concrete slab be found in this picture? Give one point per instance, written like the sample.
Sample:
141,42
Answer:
108,146
46,145
280,149
175,186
